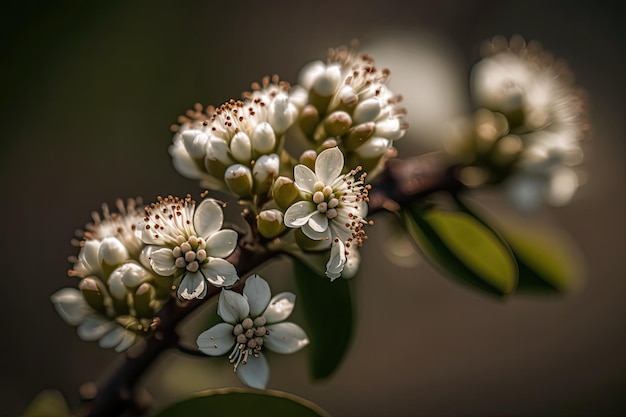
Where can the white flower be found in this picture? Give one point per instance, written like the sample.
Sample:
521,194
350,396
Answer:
187,240
333,209
253,321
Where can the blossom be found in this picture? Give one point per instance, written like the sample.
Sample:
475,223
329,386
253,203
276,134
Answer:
188,241
117,296
333,208
253,321
346,99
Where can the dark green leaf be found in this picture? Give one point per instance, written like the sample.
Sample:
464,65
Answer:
237,402
465,247
48,403
547,261
328,312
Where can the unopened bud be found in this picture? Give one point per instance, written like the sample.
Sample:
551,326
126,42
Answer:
308,158
337,123
263,138
112,251
367,110
241,147
195,142
358,135
285,192
270,223
144,300
309,119
264,171
93,293
281,113
238,178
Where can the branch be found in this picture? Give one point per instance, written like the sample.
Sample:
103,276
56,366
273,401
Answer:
402,182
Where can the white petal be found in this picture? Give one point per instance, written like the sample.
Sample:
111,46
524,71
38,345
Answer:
112,338
218,150
112,251
312,234
280,307
208,218
304,178
183,163
222,243
285,338
88,256
328,165
258,293
93,328
337,260
195,142
127,341
162,261
219,272
192,286
218,340
298,213
232,307
241,147
255,373
70,305
374,147
318,222
133,274
116,287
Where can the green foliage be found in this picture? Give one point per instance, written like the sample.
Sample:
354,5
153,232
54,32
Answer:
329,316
48,403
464,247
235,402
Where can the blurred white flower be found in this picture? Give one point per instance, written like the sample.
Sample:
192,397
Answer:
253,321
188,241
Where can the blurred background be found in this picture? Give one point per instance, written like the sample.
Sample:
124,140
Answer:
89,90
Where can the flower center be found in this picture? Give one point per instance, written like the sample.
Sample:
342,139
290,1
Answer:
249,336
190,253
326,201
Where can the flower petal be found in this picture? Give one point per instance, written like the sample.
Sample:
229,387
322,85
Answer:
312,234
162,261
112,338
337,260
127,341
304,178
299,213
328,165
280,307
285,337
255,373
222,243
93,328
232,307
216,341
192,286
258,293
318,222
70,305
208,218
219,272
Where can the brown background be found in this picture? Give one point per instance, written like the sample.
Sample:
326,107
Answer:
88,91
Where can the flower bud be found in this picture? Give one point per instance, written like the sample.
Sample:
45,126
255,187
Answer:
116,287
264,171
281,113
238,178
93,293
112,251
241,147
270,223
373,148
308,158
358,135
309,119
392,128
263,138
144,300
195,142
326,83
337,123
367,110
285,192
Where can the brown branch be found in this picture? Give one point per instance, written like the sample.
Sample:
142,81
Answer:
402,182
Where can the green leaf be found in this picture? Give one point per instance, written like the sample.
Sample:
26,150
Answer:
48,403
464,247
237,402
328,313
548,261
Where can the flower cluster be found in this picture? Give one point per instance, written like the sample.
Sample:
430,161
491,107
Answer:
252,323
529,125
118,294
345,101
